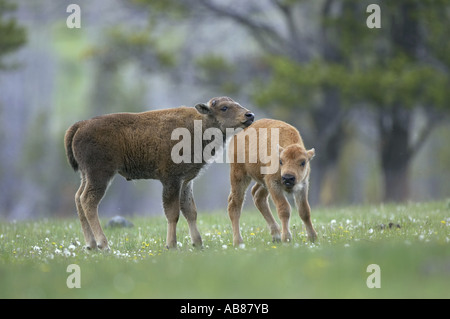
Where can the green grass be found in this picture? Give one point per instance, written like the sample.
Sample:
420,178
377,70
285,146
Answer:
414,259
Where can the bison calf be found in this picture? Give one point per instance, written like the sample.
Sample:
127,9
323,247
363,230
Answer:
138,146
292,177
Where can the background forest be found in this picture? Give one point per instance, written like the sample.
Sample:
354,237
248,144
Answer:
374,103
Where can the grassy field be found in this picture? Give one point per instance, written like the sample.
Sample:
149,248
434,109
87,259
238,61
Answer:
413,255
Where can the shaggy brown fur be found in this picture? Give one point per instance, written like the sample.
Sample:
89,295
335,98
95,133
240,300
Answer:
138,146
291,177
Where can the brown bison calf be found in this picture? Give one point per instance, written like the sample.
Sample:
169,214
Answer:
291,176
138,146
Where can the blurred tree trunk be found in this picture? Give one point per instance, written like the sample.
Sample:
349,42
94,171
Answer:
395,122
328,119
12,37
394,127
328,141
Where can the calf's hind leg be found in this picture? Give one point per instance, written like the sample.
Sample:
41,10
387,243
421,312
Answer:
189,211
93,193
87,231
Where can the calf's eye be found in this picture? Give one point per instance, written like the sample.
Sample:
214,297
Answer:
224,108
303,163
281,163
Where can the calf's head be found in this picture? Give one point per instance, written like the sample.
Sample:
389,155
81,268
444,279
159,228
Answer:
294,165
227,113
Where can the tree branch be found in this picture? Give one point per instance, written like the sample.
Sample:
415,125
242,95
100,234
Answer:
243,19
267,35
299,52
432,121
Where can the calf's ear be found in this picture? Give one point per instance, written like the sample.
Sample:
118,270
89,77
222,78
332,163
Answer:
202,108
279,149
311,153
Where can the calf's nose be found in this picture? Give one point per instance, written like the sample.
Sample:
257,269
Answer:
288,179
249,116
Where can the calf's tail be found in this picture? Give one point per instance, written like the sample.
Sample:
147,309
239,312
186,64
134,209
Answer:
68,138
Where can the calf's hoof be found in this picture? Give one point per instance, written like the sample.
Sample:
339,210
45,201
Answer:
238,241
198,245
171,246
312,237
197,242
104,248
276,238
286,238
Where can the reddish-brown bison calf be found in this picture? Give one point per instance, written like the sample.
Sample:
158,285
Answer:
138,146
291,177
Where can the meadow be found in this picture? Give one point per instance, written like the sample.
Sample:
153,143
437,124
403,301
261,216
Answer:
409,242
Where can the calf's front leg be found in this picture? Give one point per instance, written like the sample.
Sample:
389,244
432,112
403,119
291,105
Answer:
284,212
304,210
260,198
171,204
239,184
